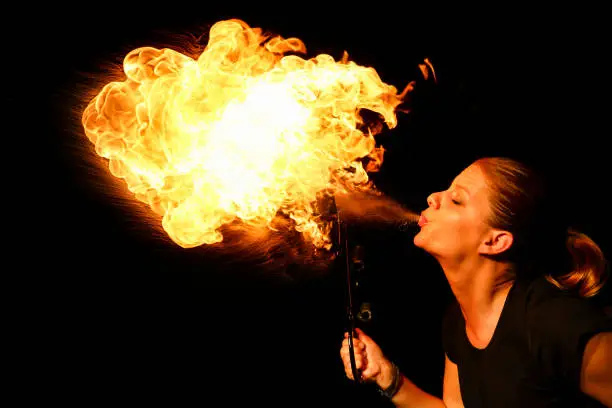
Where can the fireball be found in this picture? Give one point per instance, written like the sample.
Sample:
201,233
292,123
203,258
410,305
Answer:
246,132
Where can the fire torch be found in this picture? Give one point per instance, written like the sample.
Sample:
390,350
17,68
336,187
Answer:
350,260
350,284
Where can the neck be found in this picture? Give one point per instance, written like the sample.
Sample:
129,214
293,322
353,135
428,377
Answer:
481,287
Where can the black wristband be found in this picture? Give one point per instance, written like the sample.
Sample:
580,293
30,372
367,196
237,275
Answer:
395,384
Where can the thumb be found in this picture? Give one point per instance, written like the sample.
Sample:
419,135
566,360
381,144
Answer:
362,336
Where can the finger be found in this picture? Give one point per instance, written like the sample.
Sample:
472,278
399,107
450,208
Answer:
344,353
348,368
371,370
360,348
360,357
359,361
360,332
364,337
367,373
357,344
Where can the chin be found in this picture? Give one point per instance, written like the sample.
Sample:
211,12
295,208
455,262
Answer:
418,241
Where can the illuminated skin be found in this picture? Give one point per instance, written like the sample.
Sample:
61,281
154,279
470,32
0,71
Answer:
453,226
454,230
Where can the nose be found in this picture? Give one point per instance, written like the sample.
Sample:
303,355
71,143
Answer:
433,201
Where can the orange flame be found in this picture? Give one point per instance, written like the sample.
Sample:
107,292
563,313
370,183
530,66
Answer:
242,133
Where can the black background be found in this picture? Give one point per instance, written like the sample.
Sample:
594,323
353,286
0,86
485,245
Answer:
120,315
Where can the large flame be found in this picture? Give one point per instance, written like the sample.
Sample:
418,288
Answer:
246,132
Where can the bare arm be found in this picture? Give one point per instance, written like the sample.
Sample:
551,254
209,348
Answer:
451,390
596,373
376,368
409,395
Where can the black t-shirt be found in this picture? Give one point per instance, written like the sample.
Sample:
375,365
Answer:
535,355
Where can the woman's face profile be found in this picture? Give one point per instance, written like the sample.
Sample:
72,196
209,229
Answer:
454,223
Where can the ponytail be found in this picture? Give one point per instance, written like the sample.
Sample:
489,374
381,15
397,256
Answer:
589,267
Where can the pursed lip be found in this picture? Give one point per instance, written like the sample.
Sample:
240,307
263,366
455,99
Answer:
422,220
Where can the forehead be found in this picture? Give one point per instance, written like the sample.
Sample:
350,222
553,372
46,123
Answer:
471,179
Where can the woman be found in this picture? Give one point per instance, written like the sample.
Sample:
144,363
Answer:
522,332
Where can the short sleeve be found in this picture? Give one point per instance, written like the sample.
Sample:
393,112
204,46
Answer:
451,324
559,329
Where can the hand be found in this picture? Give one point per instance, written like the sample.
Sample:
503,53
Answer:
369,359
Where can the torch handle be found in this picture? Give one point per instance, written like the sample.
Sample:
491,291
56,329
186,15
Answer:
356,372
350,315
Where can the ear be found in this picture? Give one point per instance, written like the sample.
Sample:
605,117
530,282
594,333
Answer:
496,242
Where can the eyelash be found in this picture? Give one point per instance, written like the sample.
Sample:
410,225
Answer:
452,195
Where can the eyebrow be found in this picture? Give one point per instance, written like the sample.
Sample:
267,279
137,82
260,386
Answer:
460,187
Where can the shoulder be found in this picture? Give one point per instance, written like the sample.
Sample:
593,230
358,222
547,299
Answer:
559,324
560,321
547,304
